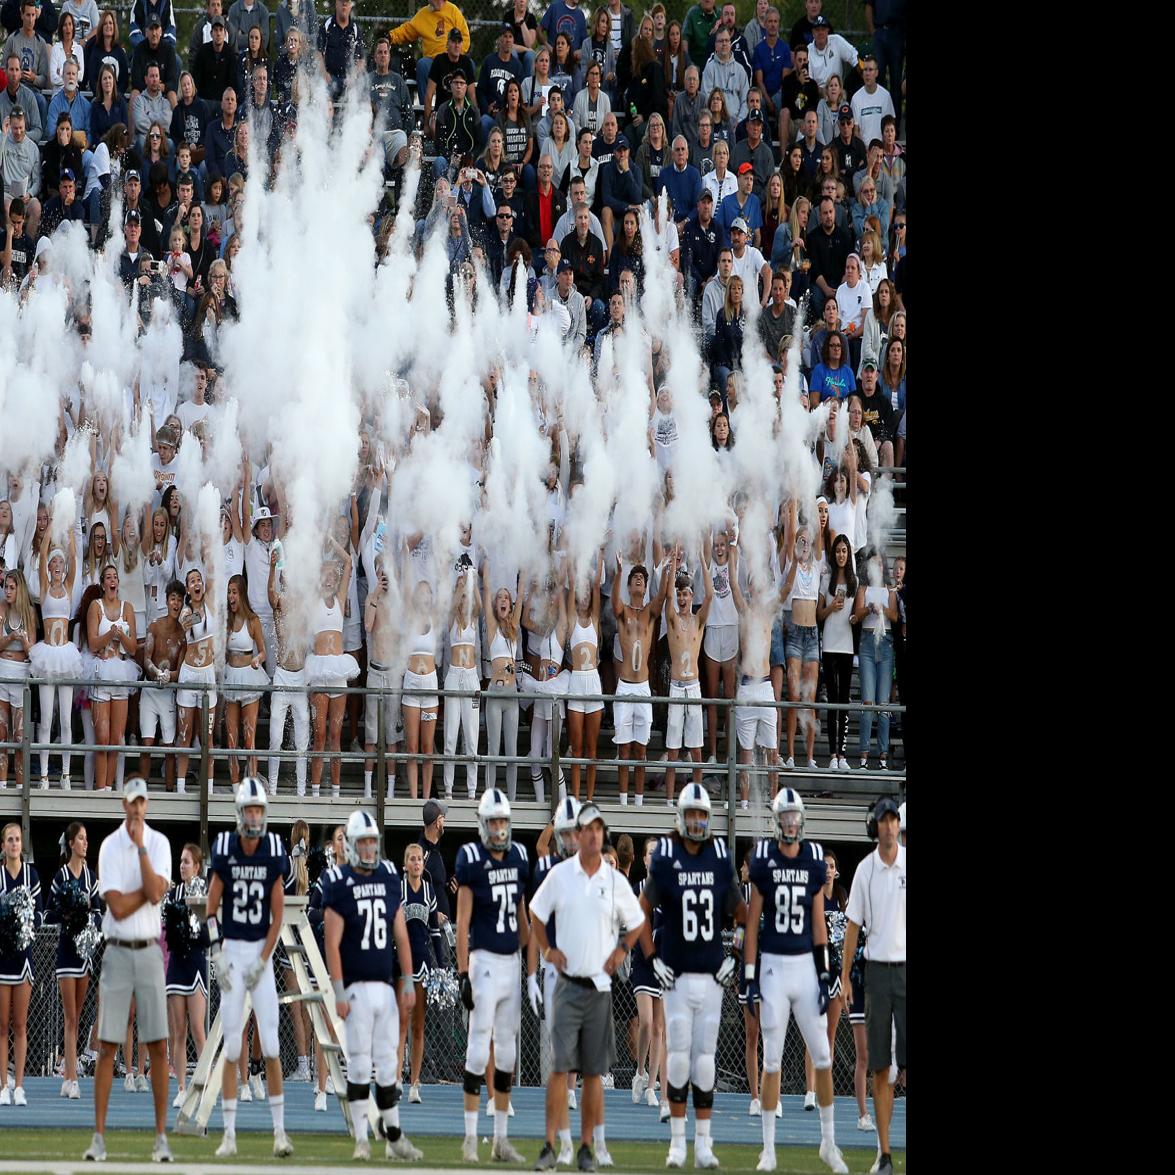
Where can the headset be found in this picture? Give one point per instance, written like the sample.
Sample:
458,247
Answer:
882,805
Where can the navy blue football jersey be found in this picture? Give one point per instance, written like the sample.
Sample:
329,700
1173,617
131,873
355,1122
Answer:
248,881
696,893
788,885
542,867
367,903
498,888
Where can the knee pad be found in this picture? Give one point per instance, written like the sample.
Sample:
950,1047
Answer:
472,1084
477,1048
387,1097
704,1073
772,1048
358,1093
678,1094
271,1046
677,1070
232,1048
502,1080
505,1053
703,1098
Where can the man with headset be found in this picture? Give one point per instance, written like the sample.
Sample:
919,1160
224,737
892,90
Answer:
591,901
877,902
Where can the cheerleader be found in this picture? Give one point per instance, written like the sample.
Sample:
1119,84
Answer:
336,855
187,970
420,710
73,972
244,674
424,935
56,656
462,675
584,718
503,614
16,971
197,669
750,1014
650,1010
297,885
328,668
112,638
17,629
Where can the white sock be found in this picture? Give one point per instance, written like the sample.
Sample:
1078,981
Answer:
367,785
827,1126
228,1109
768,1118
304,1063
277,1111
501,1120
701,1131
640,799
565,1138
624,798
391,1121
359,1118
470,1123
677,1130
598,1138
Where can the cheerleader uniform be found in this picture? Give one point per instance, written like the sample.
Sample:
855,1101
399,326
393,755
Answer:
420,912
18,968
642,976
837,921
188,973
70,965
742,975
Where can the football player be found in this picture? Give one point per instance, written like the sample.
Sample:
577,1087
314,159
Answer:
364,922
787,879
249,869
692,881
491,926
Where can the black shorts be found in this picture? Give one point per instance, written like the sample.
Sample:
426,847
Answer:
885,1009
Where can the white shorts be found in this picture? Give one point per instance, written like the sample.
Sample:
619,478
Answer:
581,682
422,681
720,642
789,986
157,713
13,675
372,1033
393,719
191,699
634,720
240,956
114,675
755,724
685,722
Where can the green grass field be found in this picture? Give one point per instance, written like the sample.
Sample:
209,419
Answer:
333,1152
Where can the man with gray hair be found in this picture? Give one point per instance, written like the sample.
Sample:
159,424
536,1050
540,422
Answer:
688,105
150,106
572,301
17,94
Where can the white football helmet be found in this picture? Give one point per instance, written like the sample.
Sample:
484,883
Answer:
494,806
902,817
694,798
361,841
566,815
789,815
251,794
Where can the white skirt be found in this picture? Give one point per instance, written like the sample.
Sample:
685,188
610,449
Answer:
56,661
241,683
114,678
331,671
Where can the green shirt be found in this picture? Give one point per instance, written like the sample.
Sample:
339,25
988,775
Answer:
696,32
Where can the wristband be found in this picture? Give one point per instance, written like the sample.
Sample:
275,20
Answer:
749,971
213,930
340,994
820,954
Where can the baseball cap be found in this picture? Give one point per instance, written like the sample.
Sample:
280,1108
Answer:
755,116
740,225
564,266
507,27
743,168
707,195
821,22
455,34
868,361
845,113
884,807
433,809
185,177
132,175
218,22
621,141
67,174
135,788
133,217
153,21
587,814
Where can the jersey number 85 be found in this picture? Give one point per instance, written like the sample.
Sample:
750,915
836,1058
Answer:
789,907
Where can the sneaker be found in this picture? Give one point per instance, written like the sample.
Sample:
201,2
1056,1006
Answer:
566,1155
864,764
64,1089
5,1096
228,1146
609,1082
583,1159
141,1083
766,1161
755,1109
651,1098
244,1093
469,1149
790,764
65,783
403,1149
813,765
676,1156
663,1116
831,1157
414,1093
833,763
844,764
74,1093
503,1151
18,1097
704,1156
161,1151
282,1147
881,766
571,1099
546,1159
44,783
302,1073
320,1102
330,1084
96,1153
603,1158
639,1084
128,1084
885,1165
178,1100
257,1088
362,1150
810,1100
865,1122
779,1108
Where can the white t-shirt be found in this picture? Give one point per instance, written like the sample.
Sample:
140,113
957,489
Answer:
749,269
257,570
665,438
861,529
722,609
853,302
842,519
838,56
838,632
869,110
189,412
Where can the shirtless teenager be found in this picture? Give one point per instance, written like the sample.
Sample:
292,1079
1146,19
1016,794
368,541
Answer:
686,629
635,628
164,653
378,622
289,681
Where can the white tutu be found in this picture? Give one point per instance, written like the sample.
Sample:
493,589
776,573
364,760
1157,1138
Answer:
330,670
56,661
241,682
114,676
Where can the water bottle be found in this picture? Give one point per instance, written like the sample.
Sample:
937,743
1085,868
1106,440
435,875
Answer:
281,554
381,532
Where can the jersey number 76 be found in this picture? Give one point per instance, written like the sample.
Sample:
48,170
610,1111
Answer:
375,923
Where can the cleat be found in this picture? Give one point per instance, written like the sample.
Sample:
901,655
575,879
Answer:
469,1149
651,1098
865,1122
546,1159
161,1152
704,1157
178,1101
755,1108
403,1149
566,1155
571,1099
810,1100
245,1093
603,1158
584,1160
766,1161
97,1150
320,1102
257,1088
503,1151
414,1093
830,1156
639,1084
362,1150
282,1147
676,1156
228,1147
18,1097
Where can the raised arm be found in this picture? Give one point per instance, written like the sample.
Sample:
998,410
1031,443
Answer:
617,602
708,598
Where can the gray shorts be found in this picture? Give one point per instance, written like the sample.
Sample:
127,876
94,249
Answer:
127,973
885,1009
583,1032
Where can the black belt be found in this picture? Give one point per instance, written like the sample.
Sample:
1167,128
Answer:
580,981
133,944
879,963
378,667
746,680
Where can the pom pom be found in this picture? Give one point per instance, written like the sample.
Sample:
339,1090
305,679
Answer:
442,988
315,863
75,906
86,941
17,921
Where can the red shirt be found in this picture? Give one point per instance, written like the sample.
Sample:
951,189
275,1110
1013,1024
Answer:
546,217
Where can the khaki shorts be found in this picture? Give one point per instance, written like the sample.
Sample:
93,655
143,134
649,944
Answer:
127,973
583,1032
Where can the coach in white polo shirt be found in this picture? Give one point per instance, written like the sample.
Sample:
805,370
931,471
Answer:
878,903
134,871
591,901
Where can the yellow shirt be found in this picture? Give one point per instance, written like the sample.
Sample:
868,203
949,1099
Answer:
431,26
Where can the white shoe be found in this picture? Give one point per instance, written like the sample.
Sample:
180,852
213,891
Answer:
639,1084
830,1155
161,1151
566,1156
65,783
141,1083
244,1093
330,1084
603,1158
257,1088
469,1149
813,765
833,763
609,1082
503,1151
571,1099
651,1098
181,787
676,1156
179,1099
320,1102
663,1116
228,1147
44,783
790,764
779,1109
766,1161
414,1093
64,1088
810,1100
704,1156
97,1150
362,1150
5,1096
844,764
755,1109
128,1083
74,1093
302,1073
865,1122
282,1147
18,1097
403,1149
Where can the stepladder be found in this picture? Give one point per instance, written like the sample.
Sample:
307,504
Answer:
308,983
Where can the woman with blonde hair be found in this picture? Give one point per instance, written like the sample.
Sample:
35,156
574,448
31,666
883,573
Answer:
873,268
187,972
653,155
113,639
18,629
16,970
424,935
245,678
